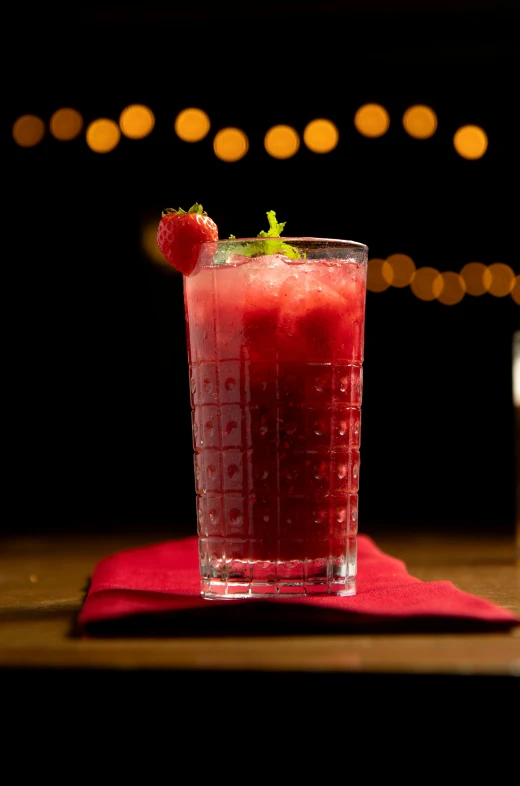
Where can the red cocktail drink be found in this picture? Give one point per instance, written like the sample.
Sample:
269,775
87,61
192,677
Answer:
275,346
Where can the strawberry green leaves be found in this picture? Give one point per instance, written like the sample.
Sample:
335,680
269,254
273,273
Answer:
196,208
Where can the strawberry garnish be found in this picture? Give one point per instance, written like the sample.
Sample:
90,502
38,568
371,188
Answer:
179,233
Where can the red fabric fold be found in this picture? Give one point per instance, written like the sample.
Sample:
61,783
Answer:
160,584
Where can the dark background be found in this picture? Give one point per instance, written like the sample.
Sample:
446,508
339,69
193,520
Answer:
97,417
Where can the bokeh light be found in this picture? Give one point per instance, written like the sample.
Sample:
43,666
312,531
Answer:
103,135
502,279
230,144
136,121
28,130
321,135
476,277
470,142
427,283
372,120
379,275
453,289
403,268
515,292
282,141
420,121
192,124
66,124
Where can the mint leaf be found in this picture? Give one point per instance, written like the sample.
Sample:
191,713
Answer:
270,243
276,246
273,244
275,229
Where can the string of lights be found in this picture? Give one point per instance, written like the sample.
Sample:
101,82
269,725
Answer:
231,144
321,136
449,288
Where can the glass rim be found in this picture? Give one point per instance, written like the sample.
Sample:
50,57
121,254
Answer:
330,241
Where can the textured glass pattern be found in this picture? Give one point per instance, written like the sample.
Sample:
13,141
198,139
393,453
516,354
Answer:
277,473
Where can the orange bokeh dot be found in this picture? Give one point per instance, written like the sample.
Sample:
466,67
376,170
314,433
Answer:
427,283
136,121
476,277
103,135
321,135
28,130
502,279
470,142
65,124
453,289
282,141
230,144
192,124
420,121
515,292
379,275
403,268
372,120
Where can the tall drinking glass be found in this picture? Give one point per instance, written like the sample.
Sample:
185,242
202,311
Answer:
275,348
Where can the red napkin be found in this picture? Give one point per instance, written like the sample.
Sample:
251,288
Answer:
155,590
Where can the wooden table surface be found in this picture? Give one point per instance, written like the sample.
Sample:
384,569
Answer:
43,579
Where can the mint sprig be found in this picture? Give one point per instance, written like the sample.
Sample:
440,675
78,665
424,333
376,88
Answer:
271,246
275,228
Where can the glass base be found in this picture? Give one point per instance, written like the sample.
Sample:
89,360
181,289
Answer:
309,578
221,591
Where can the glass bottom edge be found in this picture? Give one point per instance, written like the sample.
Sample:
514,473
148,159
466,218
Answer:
221,590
